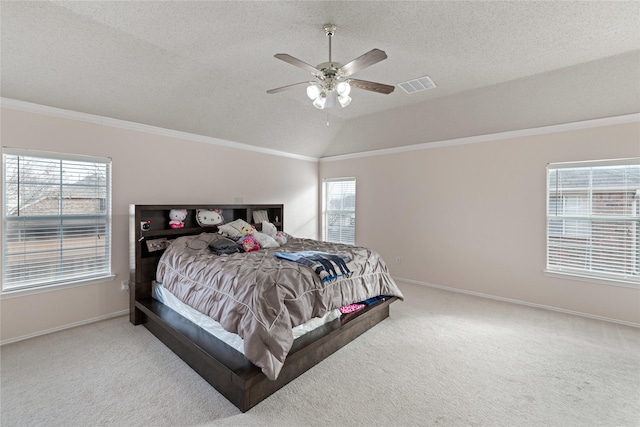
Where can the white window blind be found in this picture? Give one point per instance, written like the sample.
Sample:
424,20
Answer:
593,219
56,218
340,210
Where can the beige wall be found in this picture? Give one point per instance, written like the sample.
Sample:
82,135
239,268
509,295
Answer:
149,169
472,217
469,217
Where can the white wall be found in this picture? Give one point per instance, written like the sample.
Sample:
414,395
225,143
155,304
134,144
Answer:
472,216
148,169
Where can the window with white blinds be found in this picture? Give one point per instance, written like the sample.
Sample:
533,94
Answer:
56,219
339,222
593,219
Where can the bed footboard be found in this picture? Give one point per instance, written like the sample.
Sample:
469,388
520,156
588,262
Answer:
229,372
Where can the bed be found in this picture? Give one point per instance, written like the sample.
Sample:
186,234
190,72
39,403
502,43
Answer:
262,296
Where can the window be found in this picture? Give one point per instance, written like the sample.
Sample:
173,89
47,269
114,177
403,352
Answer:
339,219
56,219
593,219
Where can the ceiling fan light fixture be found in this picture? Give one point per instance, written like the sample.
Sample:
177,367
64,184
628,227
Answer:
313,91
320,101
344,100
333,82
343,88
332,99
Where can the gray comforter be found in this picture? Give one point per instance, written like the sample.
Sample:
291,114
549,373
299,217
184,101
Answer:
261,297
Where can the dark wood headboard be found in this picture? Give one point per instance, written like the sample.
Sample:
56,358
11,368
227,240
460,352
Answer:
146,243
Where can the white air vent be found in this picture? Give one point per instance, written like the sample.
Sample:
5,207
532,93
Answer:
417,85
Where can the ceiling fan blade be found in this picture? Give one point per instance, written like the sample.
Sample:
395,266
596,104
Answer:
372,86
298,63
283,88
363,61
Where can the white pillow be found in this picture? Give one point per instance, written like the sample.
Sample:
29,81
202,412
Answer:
233,229
269,229
265,240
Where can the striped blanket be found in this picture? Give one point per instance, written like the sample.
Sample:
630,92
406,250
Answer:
325,265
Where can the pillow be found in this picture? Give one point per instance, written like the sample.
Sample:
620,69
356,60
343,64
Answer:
269,229
233,229
209,217
265,240
223,246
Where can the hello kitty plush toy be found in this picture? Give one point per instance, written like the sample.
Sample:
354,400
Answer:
177,217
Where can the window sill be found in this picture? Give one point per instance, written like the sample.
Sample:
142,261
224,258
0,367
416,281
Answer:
592,279
14,293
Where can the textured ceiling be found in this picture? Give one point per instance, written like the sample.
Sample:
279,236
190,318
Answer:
204,67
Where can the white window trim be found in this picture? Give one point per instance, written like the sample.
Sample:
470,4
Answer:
577,274
36,289
324,205
591,279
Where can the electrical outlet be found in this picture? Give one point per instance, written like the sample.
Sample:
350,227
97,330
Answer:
397,260
124,285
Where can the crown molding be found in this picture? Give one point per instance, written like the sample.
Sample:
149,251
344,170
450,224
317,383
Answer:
14,104
564,127
29,107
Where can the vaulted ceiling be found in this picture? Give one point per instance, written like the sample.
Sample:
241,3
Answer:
204,67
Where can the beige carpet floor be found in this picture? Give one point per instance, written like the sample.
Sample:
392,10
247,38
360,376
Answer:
441,359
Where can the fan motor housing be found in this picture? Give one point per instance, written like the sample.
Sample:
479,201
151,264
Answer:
329,69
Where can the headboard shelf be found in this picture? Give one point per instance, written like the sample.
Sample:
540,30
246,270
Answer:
171,232
158,217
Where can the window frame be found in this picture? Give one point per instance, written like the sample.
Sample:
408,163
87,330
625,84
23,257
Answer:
102,219
623,279
326,211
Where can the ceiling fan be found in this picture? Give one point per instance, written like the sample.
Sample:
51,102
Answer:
333,80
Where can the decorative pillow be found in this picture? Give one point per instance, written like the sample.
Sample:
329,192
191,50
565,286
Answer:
233,230
209,217
265,240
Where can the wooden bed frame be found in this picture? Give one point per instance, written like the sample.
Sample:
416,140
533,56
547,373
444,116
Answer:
226,369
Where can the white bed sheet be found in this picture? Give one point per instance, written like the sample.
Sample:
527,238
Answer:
215,329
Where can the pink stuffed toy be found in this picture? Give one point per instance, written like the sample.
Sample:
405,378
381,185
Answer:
177,217
248,242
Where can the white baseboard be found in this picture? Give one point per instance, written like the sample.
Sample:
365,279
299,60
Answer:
399,279
515,301
69,326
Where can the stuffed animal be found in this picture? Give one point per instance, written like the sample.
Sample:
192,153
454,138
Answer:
248,242
271,230
177,217
280,237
